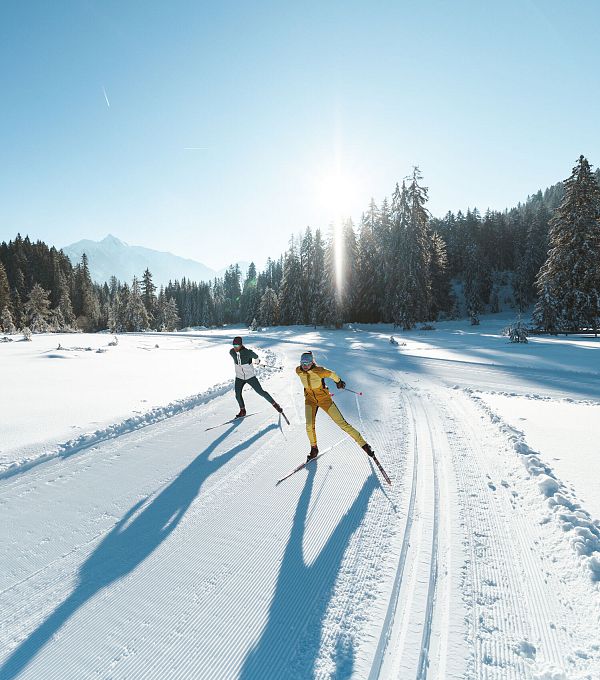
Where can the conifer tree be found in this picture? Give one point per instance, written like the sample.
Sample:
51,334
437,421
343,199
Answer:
6,321
290,292
136,314
232,294
307,267
4,289
317,283
269,308
331,310
249,302
440,281
569,280
149,295
349,254
472,288
369,279
167,315
37,309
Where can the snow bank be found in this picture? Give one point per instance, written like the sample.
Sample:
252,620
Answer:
577,523
84,382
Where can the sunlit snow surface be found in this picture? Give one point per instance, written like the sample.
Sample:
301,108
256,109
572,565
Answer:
137,544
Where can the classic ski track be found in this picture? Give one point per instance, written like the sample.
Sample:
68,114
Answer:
389,622
512,594
424,540
424,659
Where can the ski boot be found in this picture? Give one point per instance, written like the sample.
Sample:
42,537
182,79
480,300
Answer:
277,407
368,450
314,452
242,413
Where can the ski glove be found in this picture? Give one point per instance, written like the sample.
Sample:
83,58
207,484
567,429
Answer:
340,385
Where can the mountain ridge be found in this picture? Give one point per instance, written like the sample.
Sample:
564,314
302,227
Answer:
112,256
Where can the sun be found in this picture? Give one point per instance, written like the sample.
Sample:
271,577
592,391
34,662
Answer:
337,191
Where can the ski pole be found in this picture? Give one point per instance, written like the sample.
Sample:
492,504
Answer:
360,394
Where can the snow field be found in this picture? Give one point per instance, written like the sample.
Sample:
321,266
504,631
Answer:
162,550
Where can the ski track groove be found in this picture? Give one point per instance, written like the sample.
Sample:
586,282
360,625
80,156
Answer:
433,575
388,624
421,565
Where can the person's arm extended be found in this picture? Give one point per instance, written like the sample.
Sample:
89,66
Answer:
327,373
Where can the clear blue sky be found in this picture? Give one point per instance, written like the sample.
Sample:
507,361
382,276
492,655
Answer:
492,100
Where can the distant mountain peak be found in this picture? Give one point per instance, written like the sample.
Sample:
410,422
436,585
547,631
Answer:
113,257
109,239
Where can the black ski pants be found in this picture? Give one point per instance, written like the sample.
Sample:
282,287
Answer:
255,385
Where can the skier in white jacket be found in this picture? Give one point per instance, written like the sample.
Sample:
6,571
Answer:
244,373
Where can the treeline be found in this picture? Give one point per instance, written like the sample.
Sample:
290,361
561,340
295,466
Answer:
40,291
396,267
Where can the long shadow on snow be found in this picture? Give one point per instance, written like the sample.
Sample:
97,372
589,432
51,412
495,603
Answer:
290,642
136,536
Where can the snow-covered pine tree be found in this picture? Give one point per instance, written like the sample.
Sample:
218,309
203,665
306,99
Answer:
135,313
85,301
218,297
307,256
547,310
537,247
569,280
386,261
66,310
316,282
17,308
149,296
472,287
171,318
232,294
4,289
369,268
290,291
440,281
269,308
349,273
249,303
37,309
331,312
6,321
393,301
413,292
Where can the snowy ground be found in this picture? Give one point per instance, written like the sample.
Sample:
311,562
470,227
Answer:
137,544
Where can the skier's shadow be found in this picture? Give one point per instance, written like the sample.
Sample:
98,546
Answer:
145,526
290,642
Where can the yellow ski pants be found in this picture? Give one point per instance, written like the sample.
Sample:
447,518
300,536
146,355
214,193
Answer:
334,413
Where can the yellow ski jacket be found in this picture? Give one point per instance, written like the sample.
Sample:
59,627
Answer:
313,380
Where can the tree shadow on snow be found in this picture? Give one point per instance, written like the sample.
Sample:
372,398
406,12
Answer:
136,536
290,643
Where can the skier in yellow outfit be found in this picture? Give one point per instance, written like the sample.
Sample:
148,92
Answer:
316,395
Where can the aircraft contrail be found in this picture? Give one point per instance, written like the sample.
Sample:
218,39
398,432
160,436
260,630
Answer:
195,148
106,97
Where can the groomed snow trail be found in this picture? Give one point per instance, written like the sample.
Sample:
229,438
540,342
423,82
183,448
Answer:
169,552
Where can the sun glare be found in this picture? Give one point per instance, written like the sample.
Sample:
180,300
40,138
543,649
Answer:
337,193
